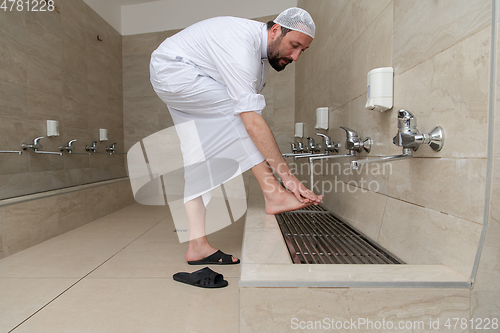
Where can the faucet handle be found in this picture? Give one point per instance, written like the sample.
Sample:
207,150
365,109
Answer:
350,133
367,144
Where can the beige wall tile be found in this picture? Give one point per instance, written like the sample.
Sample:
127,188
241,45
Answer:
363,209
424,29
373,49
141,44
450,90
13,63
423,236
452,186
26,225
43,36
13,28
12,100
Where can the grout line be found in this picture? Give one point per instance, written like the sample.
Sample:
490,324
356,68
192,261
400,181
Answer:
83,277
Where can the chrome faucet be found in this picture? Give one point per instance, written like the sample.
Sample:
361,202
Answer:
328,144
409,138
298,149
36,145
92,148
112,148
354,143
69,147
313,147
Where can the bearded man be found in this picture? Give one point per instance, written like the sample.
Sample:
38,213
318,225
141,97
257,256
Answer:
211,74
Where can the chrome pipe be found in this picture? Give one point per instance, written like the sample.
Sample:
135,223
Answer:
407,153
11,151
313,158
47,152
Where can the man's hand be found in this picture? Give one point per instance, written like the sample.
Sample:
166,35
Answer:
263,138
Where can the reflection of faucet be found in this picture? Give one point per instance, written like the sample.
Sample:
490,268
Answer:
409,138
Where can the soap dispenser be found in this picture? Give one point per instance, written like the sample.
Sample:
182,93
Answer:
380,86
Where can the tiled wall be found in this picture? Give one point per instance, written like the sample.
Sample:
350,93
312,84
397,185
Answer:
145,113
52,67
27,223
429,209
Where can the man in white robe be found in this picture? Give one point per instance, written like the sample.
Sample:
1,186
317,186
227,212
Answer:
211,73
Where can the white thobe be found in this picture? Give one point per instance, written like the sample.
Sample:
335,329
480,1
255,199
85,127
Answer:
208,74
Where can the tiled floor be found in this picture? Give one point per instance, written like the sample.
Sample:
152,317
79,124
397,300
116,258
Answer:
115,275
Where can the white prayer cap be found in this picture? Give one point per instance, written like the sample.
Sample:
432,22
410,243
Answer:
297,19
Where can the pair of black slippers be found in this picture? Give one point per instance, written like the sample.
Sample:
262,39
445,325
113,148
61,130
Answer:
205,277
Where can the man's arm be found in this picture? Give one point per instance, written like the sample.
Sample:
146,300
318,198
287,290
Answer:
263,138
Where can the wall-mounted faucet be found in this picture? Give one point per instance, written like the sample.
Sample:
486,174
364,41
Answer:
312,146
112,150
354,143
409,138
329,145
37,145
92,148
69,148
297,149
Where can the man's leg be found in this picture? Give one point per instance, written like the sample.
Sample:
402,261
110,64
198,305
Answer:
277,198
198,247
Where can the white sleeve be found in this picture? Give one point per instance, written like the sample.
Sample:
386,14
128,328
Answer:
238,62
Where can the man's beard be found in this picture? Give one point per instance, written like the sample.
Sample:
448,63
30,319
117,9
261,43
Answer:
273,56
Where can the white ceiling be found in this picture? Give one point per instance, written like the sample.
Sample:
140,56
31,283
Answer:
130,17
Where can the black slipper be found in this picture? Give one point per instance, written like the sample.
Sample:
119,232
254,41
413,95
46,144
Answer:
204,278
214,258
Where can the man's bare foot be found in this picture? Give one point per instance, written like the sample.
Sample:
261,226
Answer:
283,201
198,250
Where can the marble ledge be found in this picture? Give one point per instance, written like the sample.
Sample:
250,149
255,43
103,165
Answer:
266,263
36,196
350,276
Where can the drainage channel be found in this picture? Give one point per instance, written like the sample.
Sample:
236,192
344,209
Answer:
315,236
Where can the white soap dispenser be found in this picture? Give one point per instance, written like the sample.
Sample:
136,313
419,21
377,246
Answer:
299,130
380,86
322,118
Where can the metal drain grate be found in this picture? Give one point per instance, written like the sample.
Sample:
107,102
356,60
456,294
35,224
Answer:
314,236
